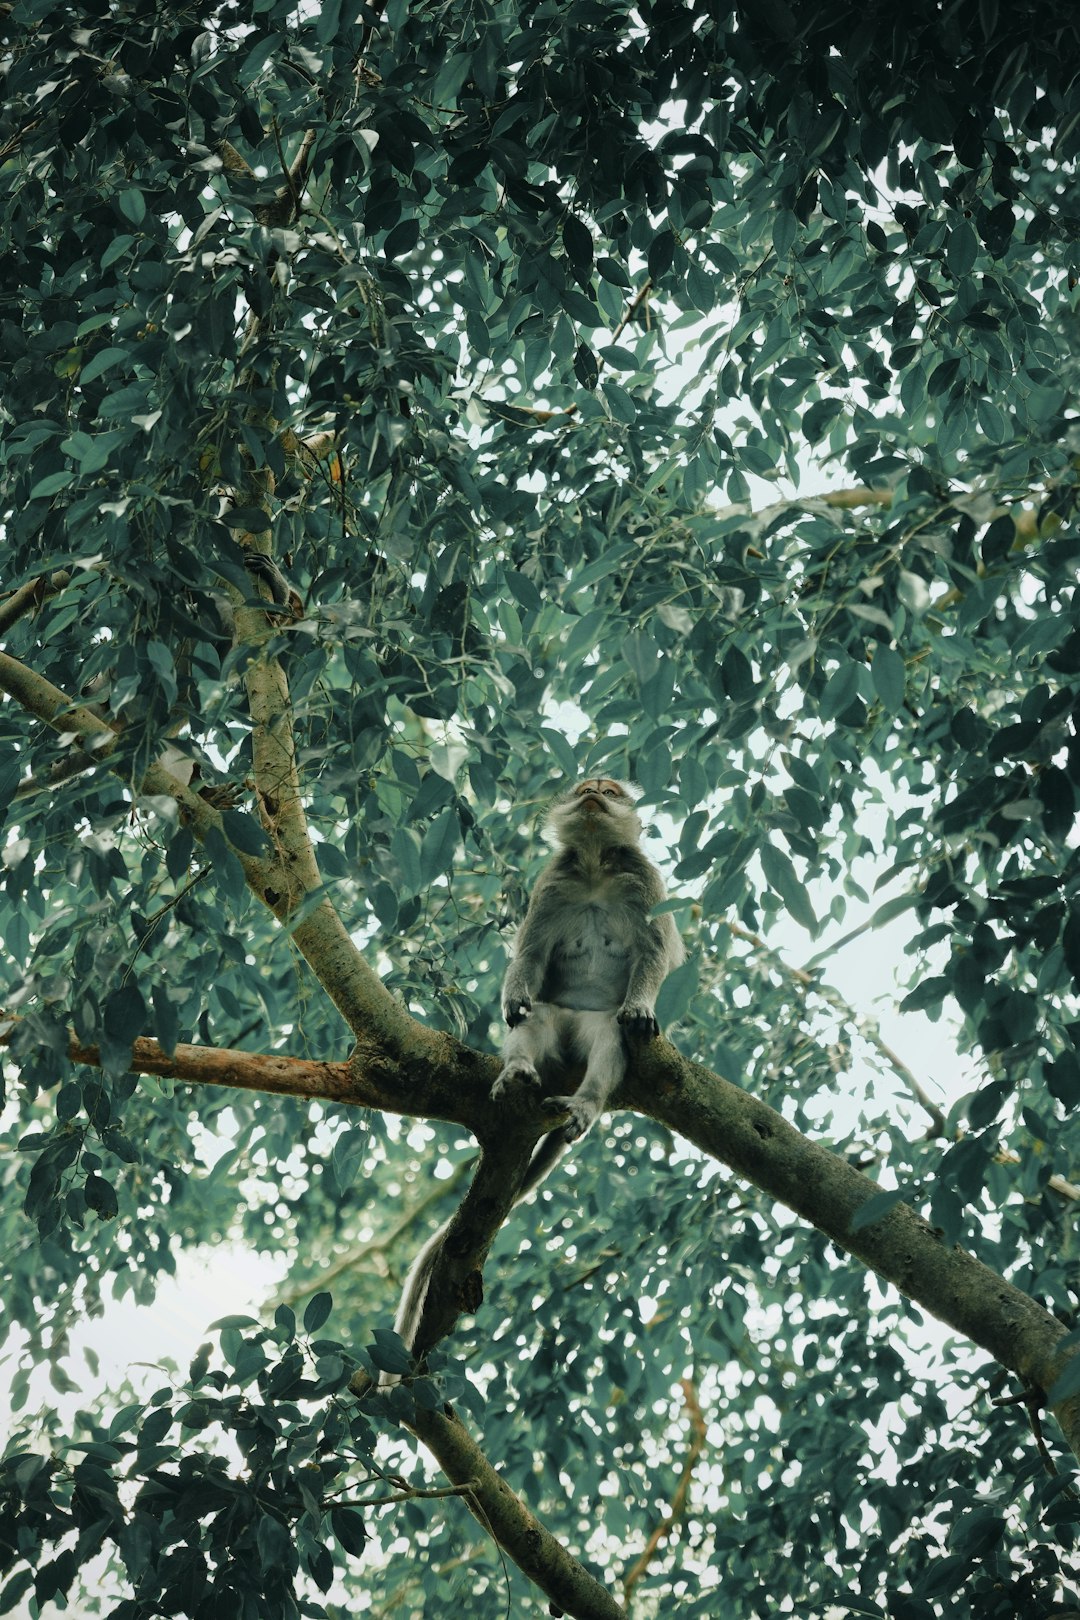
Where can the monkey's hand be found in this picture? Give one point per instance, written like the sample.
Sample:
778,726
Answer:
638,1019
516,1009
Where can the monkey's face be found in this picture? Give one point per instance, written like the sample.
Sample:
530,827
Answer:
599,796
596,808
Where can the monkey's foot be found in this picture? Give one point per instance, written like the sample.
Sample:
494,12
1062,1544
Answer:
581,1114
517,1075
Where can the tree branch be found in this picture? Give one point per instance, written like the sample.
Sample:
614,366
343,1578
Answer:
287,882
901,1247
456,1283
678,1500
350,1083
1025,519
363,1253
13,606
810,982
532,1547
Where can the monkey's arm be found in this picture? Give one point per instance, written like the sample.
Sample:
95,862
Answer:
532,950
659,951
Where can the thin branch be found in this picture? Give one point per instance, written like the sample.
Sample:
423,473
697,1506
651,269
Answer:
361,1253
631,309
410,1493
288,881
76,763
865,1026
1025,519
678,1501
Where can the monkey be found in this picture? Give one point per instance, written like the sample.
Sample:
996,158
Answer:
588,959
581,986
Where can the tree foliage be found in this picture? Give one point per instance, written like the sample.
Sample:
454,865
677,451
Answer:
668,390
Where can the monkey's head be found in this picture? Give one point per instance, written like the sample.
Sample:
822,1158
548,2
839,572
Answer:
597,809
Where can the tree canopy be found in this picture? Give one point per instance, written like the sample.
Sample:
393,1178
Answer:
407,407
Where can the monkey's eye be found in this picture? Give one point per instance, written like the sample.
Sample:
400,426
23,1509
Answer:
611,793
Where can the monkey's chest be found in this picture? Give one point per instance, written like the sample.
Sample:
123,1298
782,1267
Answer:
590,966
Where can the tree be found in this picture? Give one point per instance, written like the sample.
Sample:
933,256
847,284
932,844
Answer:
408,407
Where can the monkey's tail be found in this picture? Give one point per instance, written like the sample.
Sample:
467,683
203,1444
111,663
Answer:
549,1150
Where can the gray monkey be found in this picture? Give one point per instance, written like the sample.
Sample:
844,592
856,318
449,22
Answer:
588,959
581,986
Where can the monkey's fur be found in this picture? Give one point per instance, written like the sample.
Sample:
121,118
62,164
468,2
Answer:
582,984
588,960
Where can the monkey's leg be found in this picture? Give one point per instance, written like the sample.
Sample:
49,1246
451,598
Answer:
596,1038
528,1047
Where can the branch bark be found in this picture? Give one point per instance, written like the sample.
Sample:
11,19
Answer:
34,592
503,1515
740,1131
351,1084
901,1247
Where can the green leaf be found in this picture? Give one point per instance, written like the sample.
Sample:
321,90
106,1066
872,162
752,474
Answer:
318,1311
781,876
577,240
586,369
101,1197
116,249
132,205
244,832
402,239
52,484
613,271
963,249
929,994
274,1545
677,992
104,360
785,230
661,255
349,1530
439,844
841,690
887,673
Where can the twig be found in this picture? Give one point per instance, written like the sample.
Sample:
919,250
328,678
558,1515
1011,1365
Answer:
865,1026
364,1251
678,1500
632,308
408,1494
1032,1400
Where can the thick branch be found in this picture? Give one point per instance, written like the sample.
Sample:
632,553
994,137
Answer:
13,607
377,1085
45,701
456,1283
903,1248
533,1548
